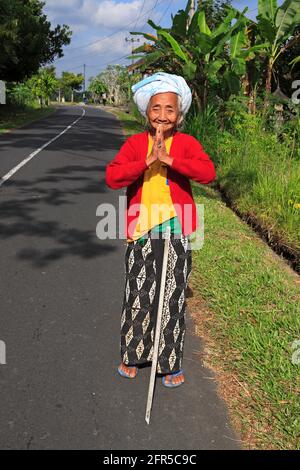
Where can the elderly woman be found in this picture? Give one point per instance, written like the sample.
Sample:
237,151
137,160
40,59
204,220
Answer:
156,166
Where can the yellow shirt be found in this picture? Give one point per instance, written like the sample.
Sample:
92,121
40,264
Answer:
156,202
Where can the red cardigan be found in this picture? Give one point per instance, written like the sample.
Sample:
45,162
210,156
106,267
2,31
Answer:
189,162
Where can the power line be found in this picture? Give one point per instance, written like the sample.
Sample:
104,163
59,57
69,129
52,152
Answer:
74,68
165,12
103,64
139,15
88,55
115,32
92,54
99,65
114,60
155,5
125,56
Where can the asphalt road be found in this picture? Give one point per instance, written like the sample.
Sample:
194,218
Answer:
61,292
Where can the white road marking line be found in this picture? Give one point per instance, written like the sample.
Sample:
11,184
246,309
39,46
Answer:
33,154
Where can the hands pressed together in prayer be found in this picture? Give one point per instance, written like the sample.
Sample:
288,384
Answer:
159,151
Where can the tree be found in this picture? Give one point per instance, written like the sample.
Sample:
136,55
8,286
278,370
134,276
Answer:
43,85
117,82
97,88
27,40
71,81
20,94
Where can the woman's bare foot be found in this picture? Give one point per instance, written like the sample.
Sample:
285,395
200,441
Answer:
129,371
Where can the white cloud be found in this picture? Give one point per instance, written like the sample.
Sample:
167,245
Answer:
63,5
114,45
113,13
116,14
104,14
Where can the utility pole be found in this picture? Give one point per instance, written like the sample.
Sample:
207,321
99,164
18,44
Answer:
83,81
132,40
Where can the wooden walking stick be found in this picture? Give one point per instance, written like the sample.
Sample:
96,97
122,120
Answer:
158,326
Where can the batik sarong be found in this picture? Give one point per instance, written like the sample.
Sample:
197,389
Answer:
143,267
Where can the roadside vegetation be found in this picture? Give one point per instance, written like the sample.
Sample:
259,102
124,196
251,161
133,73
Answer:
246,307
244,73
29,85
131,119
19,116
246,302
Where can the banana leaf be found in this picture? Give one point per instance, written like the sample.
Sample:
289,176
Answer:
295,61
223,27
148,36
287,18
179,26
144,48
267,9
212,68
266,29
205,42
149,59
250,52
203,26
193,27
174,44
136,56
153,25
233,82
239,66
189,70
237,42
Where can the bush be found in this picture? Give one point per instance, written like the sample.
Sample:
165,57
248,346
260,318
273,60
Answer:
258,168
20,95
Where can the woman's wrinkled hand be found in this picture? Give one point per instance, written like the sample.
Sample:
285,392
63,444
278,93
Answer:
159,151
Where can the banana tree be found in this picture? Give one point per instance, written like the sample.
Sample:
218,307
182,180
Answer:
204,57
43,85
275,28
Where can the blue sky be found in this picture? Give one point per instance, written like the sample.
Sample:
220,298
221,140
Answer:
100,28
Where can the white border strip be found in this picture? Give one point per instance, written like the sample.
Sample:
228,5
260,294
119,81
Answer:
23,162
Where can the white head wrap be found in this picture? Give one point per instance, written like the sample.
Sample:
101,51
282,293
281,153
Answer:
161,82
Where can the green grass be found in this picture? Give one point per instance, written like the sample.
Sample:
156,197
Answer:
13,117
130,125
255,317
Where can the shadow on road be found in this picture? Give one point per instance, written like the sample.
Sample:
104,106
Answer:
20,216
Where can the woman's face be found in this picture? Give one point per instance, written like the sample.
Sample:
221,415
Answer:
163,110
